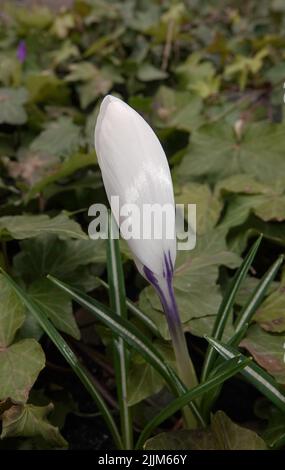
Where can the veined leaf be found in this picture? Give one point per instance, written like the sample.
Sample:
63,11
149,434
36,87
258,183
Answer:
227,305
254,374
132,336
229,369
69,356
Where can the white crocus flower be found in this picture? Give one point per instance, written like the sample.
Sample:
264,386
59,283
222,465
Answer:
135,169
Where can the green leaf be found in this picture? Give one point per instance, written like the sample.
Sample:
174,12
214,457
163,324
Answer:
38,17
20,362
215,151
138,313
70,259
67,259
12,314
199,267
56,305
29,226
61,170
226,306
45,86
198,76
94,81
60,138
181,440
246,314
180,110
132,336
241,184
81,72
30,167
223,434
274,434
117,296
147,73
239,236
9,69
227,370
271,313
272,208
208,206
20,365
12,109
31,421
268,350
143,379
267,207
257,296
254,374
69,356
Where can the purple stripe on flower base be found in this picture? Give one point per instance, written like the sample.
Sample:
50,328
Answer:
164,288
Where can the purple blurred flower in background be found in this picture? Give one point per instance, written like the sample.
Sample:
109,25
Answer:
21,52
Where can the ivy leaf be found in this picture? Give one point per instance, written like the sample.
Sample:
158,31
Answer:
239,236
32,18
198,76
180,110
230,436
241,184
274,434
30,421
56,305
12,314
47,254
60,138
268,350
143,380
62,170
216,151
45,87
12,102
200,267
271,313
29,226
272,208
147,73
21,362
81,72
20,365
223,434
208,206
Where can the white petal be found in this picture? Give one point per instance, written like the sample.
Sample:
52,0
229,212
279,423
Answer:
135,168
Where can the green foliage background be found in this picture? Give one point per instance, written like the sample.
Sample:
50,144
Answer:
208,76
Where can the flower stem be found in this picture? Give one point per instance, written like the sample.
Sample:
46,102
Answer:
184,364
164,288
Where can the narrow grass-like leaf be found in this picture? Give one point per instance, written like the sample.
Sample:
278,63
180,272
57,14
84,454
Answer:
260,379
243,322
133,337
273,441
255,300
229,369
227,305
117,296
209,398
70,357
138,313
